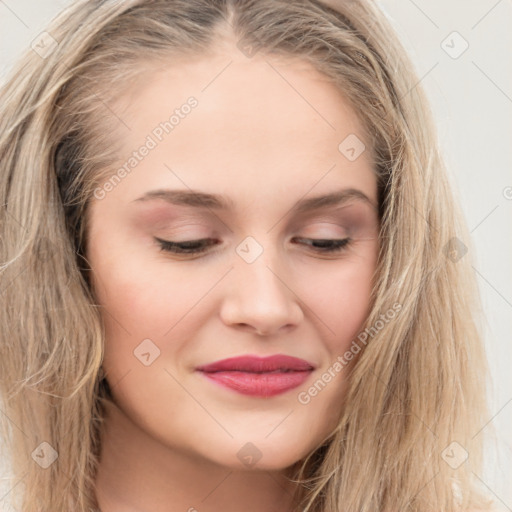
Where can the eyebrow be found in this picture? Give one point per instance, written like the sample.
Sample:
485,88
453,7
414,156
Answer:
197,199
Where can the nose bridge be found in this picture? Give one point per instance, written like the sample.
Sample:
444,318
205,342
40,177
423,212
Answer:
260,296
257,266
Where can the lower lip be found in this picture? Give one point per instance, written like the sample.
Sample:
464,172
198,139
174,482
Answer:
259,384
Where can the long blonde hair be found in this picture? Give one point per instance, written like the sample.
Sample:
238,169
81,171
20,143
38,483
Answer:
419,384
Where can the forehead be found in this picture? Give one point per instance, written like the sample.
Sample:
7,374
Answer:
259,126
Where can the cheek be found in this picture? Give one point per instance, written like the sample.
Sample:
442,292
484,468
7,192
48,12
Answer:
142,299
339,298
144,294
339,302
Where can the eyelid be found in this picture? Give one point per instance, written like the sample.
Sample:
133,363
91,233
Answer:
329,222
338,216
187,232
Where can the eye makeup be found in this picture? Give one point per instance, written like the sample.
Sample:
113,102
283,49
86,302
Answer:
185,230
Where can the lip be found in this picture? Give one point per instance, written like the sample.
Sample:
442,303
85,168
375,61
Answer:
258,376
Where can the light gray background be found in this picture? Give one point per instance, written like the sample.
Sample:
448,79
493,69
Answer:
471,97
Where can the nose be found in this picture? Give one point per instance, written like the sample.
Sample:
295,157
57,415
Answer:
260,297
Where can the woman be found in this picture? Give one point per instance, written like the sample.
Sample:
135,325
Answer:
233,273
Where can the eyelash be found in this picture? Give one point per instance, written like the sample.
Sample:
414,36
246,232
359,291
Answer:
201,245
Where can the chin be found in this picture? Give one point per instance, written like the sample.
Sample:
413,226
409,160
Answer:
258,456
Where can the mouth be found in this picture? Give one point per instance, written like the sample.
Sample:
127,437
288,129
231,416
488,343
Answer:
258,376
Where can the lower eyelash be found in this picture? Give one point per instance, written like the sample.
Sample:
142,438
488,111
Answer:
198,246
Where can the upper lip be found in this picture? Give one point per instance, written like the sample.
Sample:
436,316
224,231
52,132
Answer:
256,364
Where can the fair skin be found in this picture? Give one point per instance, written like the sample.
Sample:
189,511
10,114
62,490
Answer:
171,440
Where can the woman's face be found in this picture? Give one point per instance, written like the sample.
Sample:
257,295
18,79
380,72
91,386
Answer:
237,167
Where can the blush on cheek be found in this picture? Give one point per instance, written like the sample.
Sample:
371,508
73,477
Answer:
148,302
341,302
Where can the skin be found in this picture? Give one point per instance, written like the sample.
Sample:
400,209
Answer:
171,440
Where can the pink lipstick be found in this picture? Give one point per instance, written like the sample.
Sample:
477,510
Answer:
258,376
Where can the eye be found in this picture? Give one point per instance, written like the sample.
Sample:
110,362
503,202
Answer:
201,245
186,247
326,245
